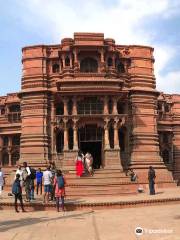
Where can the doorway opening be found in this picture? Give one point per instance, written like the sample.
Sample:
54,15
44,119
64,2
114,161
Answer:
94,148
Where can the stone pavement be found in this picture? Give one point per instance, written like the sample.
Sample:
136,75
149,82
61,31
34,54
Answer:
114,224
160,194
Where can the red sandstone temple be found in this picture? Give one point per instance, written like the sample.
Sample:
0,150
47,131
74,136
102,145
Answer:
91,94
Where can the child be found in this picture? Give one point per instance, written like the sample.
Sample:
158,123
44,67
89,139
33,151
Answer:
17,191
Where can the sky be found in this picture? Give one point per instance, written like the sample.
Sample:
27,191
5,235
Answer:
143,22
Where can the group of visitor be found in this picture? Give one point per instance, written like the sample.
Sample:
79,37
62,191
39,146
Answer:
84,164
52,179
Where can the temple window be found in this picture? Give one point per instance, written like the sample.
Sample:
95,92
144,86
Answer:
67,61
90,105
165,156
89,65
55,68
70,107
2,111
166,107
14,108
110,106
159,106
120,68
165,137
5,141
110,62
16,140
121,107
60,108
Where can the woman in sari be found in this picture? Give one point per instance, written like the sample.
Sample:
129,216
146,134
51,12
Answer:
79,164
89,163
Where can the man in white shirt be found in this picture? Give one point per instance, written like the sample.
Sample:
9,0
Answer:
27,180
47,177
20,172
2,182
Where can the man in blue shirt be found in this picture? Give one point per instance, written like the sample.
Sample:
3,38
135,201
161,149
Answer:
39,176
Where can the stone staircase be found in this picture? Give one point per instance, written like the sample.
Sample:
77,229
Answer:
104,182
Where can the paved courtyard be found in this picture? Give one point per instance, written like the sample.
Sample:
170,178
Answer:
115,224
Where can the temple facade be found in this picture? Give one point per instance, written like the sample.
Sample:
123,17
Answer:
91,94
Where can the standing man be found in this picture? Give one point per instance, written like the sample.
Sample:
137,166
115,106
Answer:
39,176
2,181
47,176
17,191
27,180
151,178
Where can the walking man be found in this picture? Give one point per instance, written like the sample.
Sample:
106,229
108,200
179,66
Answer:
151,178
17,191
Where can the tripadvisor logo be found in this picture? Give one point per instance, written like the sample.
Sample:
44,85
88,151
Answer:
139,231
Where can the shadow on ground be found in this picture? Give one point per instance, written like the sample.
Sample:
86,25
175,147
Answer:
27,221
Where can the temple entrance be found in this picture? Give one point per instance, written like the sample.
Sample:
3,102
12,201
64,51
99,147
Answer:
95,149
90,140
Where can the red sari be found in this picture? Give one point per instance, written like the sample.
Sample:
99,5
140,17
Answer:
79,166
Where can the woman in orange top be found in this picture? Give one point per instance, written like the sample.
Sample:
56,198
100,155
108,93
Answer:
59,183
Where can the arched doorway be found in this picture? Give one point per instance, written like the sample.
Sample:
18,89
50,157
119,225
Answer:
90,140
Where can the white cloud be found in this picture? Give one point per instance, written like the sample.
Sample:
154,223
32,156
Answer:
121,20
170,83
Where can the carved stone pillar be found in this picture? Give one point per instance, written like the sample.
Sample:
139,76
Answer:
9,149
75,135
10,155
114,111
76,64
52,126
106,105
65,101
63,61
1,147
74,110
116,138
106,134
66,144
70,57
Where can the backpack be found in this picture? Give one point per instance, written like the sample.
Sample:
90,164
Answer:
33,173
60,182
16,189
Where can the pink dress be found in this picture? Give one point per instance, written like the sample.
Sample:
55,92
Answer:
59,192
